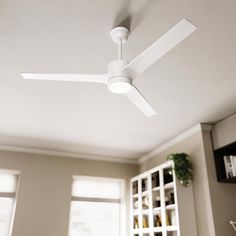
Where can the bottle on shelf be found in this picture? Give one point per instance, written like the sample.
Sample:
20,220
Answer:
136,224
145,222
171,197
157,201
135,187
167,220
144,185
157,220
136,204
155,180
167,202
145,202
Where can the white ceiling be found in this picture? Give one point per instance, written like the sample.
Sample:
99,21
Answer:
195,82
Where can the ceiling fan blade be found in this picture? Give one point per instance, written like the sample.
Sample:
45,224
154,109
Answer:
159,48
67,77
140,102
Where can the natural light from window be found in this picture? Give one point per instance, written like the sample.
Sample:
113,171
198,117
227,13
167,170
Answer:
8,186
97,207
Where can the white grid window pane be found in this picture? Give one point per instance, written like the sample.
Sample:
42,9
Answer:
7,183
94,218
6,208
96,188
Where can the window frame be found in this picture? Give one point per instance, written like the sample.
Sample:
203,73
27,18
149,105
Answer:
121,201
13,196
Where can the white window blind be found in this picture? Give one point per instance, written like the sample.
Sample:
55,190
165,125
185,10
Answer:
8,187
96,207
96,188
7,183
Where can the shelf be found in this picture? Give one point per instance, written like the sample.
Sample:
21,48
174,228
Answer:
145,212
169,185
170,207
146,230
156,189
171,228
156,210
160,202
231,180
157,229
145,193
135,212
219,154
135,231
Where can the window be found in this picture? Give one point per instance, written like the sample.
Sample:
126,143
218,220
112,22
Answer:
8,186
97,207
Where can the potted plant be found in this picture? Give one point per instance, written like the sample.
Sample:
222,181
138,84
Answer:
182,167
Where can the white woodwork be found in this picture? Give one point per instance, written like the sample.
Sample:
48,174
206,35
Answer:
183,206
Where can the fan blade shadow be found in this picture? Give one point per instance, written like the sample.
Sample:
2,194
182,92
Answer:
130,17
123,17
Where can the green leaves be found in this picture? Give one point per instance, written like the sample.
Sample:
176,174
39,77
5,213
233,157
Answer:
183,167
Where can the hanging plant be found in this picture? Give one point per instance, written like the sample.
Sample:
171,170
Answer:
182,167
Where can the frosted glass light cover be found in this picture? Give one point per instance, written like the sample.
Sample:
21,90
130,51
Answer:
93,218
96,188
7,183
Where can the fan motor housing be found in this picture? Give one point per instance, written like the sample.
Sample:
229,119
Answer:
116,68
119,80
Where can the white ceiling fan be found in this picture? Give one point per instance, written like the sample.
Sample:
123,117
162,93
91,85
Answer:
121,74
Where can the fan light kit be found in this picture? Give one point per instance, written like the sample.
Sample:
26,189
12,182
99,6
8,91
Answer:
121,73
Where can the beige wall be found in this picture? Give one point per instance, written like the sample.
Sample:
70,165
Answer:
43,202
215,203
223,196
202,202
224,132
44,194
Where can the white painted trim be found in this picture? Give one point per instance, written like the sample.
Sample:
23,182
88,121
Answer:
66,154
206,127
195,129
159,149
15,201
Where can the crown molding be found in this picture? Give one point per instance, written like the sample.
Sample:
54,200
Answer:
206,127
76,155
195,129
